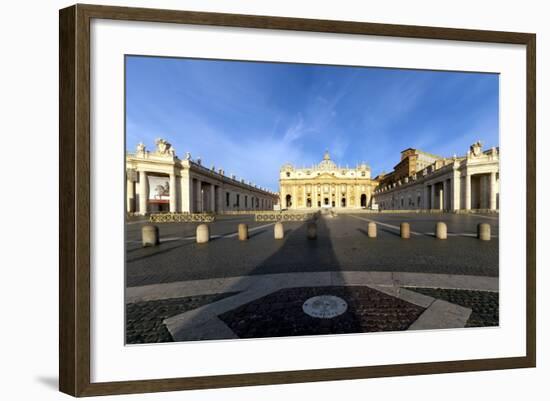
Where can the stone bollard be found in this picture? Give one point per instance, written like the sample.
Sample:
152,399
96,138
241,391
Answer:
150,235
441,230
311,231
484,231
278,230
371,229
243,232
203,233
405,231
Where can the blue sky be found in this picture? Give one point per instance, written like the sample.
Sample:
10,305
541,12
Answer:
250,118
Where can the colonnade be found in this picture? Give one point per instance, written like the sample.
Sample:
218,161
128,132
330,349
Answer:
193,194
446,192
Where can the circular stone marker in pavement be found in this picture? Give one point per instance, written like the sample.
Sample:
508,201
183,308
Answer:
325,306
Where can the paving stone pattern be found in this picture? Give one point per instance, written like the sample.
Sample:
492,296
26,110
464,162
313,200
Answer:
484,304
280,313
144,319
342,244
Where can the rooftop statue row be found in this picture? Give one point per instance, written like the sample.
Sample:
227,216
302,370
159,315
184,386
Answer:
164,149
474,156
326,164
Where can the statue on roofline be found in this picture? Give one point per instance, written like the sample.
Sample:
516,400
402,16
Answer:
475,149
140,149
164,147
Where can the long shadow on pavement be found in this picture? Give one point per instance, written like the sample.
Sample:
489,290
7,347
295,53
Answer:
277,309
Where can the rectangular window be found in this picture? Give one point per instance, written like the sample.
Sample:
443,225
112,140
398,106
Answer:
227,199
238,200
246,201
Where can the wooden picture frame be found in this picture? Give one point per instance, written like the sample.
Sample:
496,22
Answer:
75,208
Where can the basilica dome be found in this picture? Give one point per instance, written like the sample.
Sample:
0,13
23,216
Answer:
327,164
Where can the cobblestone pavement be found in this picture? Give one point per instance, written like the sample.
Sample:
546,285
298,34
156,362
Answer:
144,319
342,244
484,304
281,314
272,306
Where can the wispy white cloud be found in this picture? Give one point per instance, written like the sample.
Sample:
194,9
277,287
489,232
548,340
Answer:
251,119
295,131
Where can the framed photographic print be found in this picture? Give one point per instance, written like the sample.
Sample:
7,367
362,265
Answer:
250,200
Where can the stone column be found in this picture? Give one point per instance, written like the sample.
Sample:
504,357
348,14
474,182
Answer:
455,191
173,194
186,192
467,191
212,198
143,192
493,191
314,195
130,196
294,198
432,196
445,195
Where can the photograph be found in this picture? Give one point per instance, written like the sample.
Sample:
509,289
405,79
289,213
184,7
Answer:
270,199
273,201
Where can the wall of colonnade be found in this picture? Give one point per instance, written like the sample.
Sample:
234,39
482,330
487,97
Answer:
464,184
197,189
